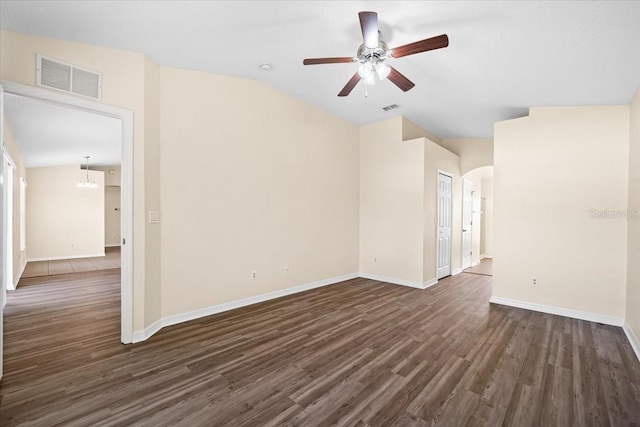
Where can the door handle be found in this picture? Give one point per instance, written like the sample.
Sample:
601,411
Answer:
464,231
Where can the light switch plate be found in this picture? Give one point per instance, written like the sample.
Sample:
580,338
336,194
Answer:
154,217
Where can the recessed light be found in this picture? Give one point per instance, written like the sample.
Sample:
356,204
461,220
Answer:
266,66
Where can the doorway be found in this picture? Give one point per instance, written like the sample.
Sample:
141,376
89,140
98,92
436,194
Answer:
467,223
445,212
125,117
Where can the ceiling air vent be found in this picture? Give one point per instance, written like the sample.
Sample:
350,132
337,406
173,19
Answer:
68,78
390,107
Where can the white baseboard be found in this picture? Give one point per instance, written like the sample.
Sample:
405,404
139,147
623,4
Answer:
483,256
560,311
57,258
456,271
394,280
144,334
18,276
430,283
117,245
632,337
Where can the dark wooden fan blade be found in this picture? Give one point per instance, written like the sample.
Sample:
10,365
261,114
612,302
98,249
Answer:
369,25
400,80
350,85
432,43
316,61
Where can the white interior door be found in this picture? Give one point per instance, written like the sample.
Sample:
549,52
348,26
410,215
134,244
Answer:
444,225
3,285
467,223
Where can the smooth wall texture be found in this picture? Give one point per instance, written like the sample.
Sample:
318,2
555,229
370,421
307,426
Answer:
19,257
633,233
475,177
486,245
391,203
559,174
112,217
474,152
123,86
437,158
252,180
64,221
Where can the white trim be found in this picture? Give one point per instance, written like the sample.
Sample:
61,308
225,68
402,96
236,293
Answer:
632,337
144,334
393,280
8,157
429,283
57,258
483,256
560,311
16,279
126,116
450,175
112,246
456,271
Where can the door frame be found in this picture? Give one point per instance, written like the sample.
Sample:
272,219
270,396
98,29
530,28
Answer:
466,182
450,175
126,117
7,221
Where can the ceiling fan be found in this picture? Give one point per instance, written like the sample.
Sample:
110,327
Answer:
373,53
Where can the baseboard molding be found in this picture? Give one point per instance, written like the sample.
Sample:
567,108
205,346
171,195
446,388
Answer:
146,333
632,337
113,246
394,280
57,258
16,279
430,283
483,256
456,271
560,311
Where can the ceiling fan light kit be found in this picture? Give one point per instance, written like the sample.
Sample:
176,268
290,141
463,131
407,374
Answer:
373,53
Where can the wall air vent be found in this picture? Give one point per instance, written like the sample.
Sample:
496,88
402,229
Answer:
390,107
58,75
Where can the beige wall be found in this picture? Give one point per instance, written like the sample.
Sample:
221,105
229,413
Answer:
391,202
123,86
64,221
474,152
112,216
398,202
252,180
486,241
152,189
112,202
19,257
436,158
633,233
112,174
475,177
551,170
411,130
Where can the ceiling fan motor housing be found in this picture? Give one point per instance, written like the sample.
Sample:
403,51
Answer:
373,55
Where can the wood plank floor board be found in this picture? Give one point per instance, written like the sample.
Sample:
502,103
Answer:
359,353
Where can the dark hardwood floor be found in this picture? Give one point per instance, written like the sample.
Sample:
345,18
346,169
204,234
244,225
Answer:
357,353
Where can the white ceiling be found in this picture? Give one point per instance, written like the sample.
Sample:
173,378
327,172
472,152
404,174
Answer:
53,135
503,56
